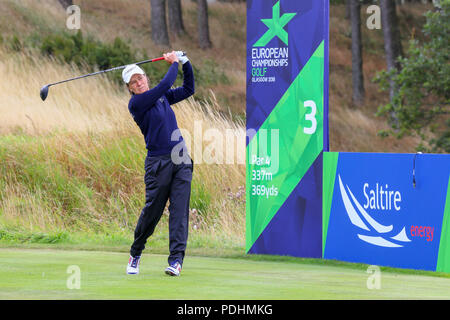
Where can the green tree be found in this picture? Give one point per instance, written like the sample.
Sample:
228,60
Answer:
421,103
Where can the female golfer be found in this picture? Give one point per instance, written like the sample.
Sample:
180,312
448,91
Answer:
166,177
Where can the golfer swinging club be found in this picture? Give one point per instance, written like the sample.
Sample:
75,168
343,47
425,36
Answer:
164,178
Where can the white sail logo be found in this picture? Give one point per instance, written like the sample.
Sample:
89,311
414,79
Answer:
359,217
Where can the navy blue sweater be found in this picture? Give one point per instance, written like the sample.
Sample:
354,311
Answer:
152,112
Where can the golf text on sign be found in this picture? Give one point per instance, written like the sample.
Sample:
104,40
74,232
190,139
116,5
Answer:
287,104
378,216
262,173
262,57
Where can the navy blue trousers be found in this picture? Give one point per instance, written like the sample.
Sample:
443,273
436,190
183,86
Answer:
164,181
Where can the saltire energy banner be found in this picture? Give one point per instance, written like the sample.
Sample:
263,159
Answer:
387,209
287,125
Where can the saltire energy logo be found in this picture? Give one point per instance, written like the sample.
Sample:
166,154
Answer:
375,232
374,213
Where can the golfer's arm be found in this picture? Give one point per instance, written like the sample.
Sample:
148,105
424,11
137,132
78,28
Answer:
188,88
146,100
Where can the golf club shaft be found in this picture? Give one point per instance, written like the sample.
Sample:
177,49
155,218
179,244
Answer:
103,71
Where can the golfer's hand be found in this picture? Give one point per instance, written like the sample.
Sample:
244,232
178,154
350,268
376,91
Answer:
171,57
182,57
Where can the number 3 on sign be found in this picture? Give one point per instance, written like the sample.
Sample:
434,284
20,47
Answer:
310,117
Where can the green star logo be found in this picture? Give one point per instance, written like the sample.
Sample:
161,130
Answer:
276,27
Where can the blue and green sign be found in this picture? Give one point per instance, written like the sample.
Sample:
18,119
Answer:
387,209
301,200
287,106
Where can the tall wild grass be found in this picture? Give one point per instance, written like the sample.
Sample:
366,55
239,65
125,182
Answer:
76,161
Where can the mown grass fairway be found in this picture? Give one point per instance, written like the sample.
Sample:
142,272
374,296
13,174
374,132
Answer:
42,274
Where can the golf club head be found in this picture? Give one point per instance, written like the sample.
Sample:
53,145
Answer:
44,92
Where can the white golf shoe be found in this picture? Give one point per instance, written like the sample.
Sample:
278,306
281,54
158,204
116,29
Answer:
174,269
133,265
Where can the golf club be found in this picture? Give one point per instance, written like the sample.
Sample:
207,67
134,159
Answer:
44,90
